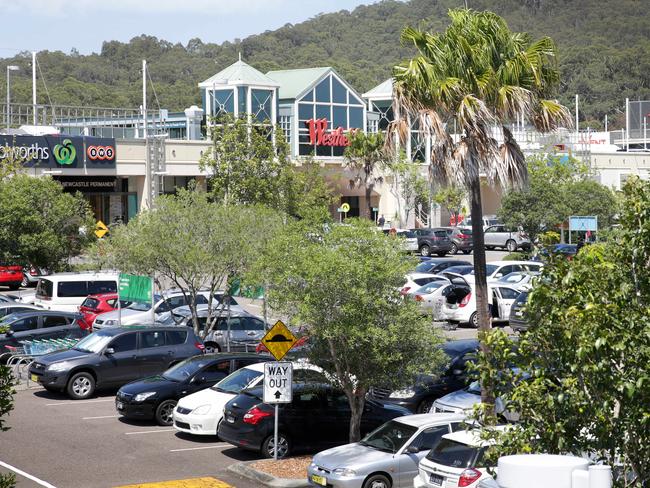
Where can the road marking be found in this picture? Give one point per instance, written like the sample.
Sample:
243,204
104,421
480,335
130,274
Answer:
188,483
27,475
102,417
216,446
150,431
82,402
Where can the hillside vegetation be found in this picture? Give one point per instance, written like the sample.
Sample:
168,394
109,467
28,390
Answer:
603,46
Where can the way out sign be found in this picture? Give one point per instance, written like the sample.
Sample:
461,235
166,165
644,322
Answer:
277,382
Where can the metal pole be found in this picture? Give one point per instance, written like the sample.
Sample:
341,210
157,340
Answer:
119,310
264,310
275,434
34,86
153,302
577,124
627,124
605,122
8,99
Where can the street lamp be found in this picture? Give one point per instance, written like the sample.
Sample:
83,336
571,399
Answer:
10,68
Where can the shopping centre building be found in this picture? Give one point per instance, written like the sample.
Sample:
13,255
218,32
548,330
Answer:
105,155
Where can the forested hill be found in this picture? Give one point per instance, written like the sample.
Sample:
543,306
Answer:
604,50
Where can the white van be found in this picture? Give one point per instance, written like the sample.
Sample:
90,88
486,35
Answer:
66,291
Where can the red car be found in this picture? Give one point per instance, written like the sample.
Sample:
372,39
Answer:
93,305
11,276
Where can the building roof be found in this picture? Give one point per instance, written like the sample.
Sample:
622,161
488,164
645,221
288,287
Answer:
239,73
294,82
382,91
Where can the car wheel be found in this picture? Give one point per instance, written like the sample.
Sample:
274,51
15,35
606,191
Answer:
441,254
14,286
25,282
81,386
467,251
454,249
424,406
425,250
284,446
377,481
211,347
165,411
473,320
511,246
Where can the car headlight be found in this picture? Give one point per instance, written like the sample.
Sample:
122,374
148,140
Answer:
141,397
110,322
407,393
202,410
345,472
57,367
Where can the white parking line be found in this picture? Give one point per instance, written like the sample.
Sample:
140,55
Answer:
27,475
150,431
102,417
81,402
217,446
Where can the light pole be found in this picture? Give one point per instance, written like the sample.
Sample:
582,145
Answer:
10,68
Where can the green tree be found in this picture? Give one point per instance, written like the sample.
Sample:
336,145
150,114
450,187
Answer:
40,224
480,75
360,332
6,405
192,243
366,156
451,198
409,187
309,194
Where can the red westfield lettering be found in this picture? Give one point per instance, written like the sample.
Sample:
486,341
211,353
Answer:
319,135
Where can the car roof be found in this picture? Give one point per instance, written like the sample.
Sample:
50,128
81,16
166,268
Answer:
297,364
228,355
423,419
113,331
80,276
461,345
103,295
19,304
415,276
40,311
472,437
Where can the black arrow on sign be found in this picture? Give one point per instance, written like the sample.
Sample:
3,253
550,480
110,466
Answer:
277,394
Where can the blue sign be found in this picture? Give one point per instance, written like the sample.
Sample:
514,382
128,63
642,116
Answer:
583,224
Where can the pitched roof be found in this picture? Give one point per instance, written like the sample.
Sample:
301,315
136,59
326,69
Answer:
383,90
294,82
239,73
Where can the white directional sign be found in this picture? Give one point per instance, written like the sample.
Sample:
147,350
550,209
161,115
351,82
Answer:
277,382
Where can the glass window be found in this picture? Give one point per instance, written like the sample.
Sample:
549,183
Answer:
251,323
92,303
323,112
29,323
429,437
124,343
509,293
163,307
241,99
390,437
220,367
308,376
223,102
237,381
323,90
236,324
44,288
152,339
55,320
305,111
174,337
339,117
309,96
240,363
356,117
72,289
261,104
307,400
323,151
339,93
337,400
452,453
305,150
109,286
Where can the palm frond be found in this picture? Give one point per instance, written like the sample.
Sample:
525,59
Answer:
473,114
548,115
511,171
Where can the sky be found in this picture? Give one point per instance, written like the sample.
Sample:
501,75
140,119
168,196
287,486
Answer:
61,25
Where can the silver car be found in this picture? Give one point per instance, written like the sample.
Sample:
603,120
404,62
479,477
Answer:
503,237
396,448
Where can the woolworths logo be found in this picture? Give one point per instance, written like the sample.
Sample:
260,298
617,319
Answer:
65,153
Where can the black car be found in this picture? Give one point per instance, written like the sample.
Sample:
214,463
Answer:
461,239
419,397
156,396
438,265
432,241
114,357
38,324
317,418
518,320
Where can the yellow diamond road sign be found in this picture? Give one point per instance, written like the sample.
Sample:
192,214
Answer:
100,229
278,340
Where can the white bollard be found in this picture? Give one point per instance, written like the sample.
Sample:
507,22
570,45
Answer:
540,471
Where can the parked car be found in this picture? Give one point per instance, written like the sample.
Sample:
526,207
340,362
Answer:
566,250
10,307
506,238
438,265
388,457
419,396
95,305
114,357
488,221
496,270
433,241
414,281
317,417
520,280
31,275
201,413
428,297
66,291
11,276
7,299
500,299
455,460
155,397
519,320
39,325
410,239
461,239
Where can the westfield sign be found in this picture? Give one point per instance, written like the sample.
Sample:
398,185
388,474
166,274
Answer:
320,136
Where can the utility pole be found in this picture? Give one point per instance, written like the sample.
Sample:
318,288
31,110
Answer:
34,86
149,170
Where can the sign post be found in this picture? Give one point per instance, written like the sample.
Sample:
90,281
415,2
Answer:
278,375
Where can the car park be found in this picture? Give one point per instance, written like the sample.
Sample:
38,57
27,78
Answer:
519,321
419,396
388,457
501,236
432,241
461,239
66,291
317,417
438,265
415,281
114,357
11,276
95,305
155,397
201,413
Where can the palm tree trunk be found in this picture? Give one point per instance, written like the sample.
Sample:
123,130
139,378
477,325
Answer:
480,283
367,212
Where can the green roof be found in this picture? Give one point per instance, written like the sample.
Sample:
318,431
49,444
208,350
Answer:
294,82
383,90
239,73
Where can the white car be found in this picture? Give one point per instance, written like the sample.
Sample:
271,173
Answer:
414,281
201,412
496,270
431,296
463,401
520,280
454,461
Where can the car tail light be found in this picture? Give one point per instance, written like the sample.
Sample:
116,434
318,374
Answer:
465,300
464,236
418,298
468,476
199,346
255,415
33,272
405,290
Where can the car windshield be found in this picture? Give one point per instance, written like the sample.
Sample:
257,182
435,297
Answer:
452,453
9,318
490,269
424,267
461,270
93,343
431,287
184,370
474,387
140,306
390,437
237,381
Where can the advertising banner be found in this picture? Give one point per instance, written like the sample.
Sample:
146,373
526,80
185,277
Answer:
134,288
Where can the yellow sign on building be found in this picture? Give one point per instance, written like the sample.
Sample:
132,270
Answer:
278,340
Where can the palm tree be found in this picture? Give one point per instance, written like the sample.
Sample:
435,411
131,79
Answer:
474,78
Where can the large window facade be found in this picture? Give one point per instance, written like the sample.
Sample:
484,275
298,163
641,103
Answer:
240,100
